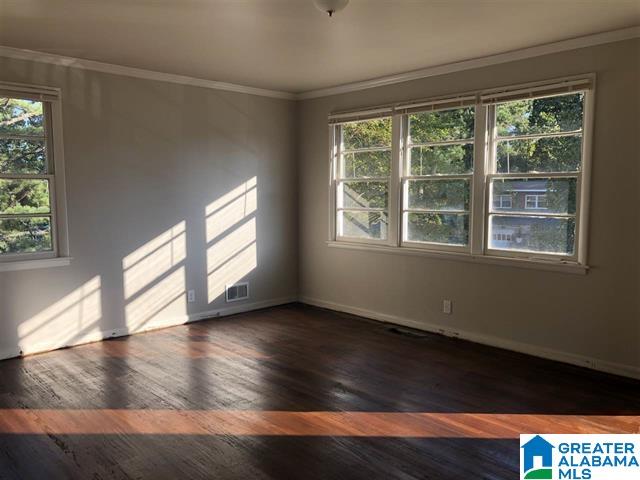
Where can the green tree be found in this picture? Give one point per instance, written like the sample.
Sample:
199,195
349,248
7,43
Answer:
22,151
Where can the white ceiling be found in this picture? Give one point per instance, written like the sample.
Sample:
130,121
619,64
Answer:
289,45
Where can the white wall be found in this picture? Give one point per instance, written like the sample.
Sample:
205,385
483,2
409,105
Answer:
166,183
593,318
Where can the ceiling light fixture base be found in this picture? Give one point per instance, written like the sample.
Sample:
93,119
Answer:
330,6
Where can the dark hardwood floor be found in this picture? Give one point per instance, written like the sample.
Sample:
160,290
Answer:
292,393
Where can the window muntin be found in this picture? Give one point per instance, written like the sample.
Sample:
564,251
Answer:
437,177
27,213
537,159
363,180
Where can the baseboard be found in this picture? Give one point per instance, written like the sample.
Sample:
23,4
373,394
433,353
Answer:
42,347
529,349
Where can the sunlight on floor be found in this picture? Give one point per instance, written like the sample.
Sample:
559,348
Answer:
282,423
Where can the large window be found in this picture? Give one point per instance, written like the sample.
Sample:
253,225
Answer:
364,174
438,173
537,158
29,204
499,173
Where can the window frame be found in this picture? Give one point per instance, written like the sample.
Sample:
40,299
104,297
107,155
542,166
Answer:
337,180
55,175
484,159
502,197
579,252
406,177
536,200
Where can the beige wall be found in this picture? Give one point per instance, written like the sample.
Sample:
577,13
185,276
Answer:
596,316
160,184
160,191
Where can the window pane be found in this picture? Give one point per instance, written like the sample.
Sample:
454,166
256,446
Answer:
25,235
445,125
552,154
21,117
439,194
502,201
367,164
22,156
540,115
365,194
24,196
443,160
536,234
451,229
373,225
546,195
367,134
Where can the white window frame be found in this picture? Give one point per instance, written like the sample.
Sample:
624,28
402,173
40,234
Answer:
484,159
406,177
501,201
337,181
536,197
54,149
579,255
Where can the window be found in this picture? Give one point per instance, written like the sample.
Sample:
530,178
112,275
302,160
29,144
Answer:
364,175
31,188
535,202
498,173
537,154
438,174
502,201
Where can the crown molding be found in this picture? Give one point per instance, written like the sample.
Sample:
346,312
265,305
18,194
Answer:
514,55
53,59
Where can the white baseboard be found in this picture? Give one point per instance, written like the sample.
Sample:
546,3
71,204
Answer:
535,350
20,350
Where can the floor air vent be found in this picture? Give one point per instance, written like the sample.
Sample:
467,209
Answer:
407,332
236,292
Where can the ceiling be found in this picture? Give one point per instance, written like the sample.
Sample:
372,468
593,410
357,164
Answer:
291,46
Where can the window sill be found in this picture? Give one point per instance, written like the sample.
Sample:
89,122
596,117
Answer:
564,267
34,264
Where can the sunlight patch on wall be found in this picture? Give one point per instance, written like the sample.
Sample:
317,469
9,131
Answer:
231,208
72,319
163,299
154,278
231,238
154,258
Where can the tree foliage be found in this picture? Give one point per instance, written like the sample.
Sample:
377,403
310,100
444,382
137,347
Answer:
22,151
441,143
538,117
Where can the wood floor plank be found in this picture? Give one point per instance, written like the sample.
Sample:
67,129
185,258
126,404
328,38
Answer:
292,392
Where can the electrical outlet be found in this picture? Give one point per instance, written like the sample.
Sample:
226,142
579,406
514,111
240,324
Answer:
446,306
191,296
